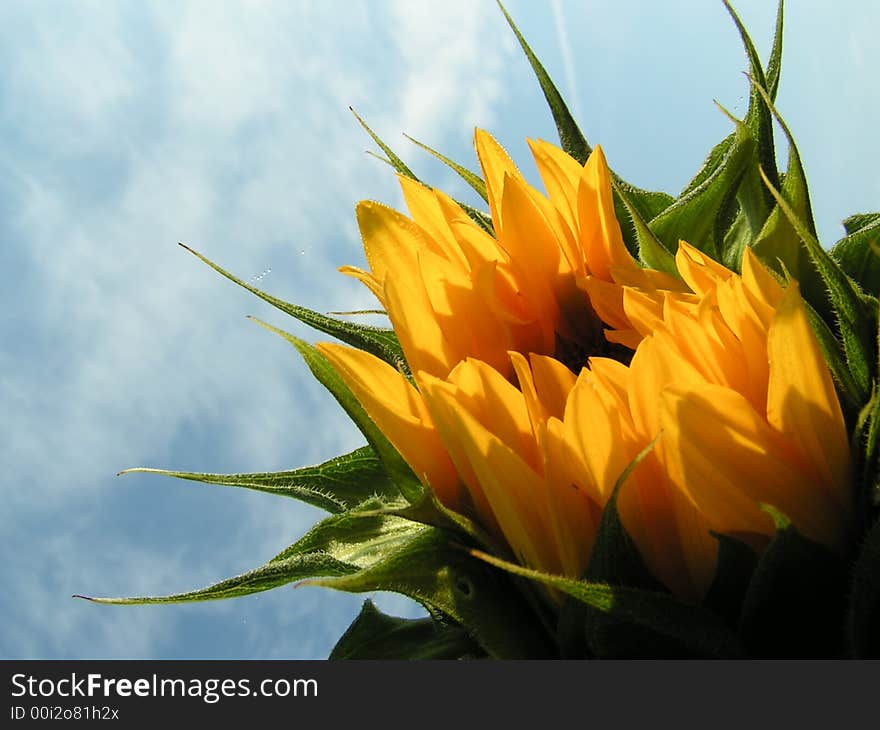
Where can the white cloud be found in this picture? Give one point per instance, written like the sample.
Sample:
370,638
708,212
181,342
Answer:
227,128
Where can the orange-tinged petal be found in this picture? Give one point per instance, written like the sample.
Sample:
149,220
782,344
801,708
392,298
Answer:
423,342
497,404
698,270
553,383
427,212
516,493
561,176
728,460
801,401
601,239
496,164
574,512
593,426
367,279
649,509
391,240
399,412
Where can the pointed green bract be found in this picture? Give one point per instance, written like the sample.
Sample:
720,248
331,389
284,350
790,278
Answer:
264,578
393,159
338,545
471,178
438,573
396,468
683,627
758,117
335,485
478,216
376,635
858,253
649,249
694,216
379,341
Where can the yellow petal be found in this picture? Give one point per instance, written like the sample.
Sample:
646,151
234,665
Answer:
496,164
561,175
516,493
398,410
601,239
428,213
801,401
725,457
698,270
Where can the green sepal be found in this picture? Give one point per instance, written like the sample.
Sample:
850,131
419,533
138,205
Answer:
858,253
379,341
863,625
649,249
376,635
437,572
796,601
335,485
478,216
396,468
734,569
338,545
694,217
393,159
629,623
779,244
471,178
858,221
758,118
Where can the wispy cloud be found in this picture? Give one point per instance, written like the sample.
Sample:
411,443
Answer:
139,125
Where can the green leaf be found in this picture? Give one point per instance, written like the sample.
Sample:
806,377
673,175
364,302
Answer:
795,604
694,216
864,608
778,244
758,117
478,216
338,545
264,578
774,64
571,138
379,341
655,619
471,178
393,159
736,565
858,221
858,253
396,468
713,161
376,635
650,250
336,485
440,575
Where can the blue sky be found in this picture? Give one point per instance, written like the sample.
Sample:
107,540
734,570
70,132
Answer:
129,126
